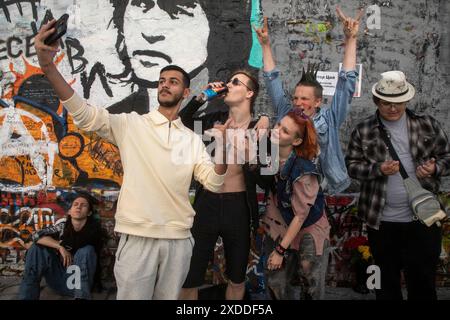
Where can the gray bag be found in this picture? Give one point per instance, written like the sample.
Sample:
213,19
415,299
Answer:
424,204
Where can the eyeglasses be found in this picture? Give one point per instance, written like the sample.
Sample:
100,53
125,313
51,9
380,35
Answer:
237,82
387,104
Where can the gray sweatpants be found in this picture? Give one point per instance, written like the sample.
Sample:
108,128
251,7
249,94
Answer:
151,269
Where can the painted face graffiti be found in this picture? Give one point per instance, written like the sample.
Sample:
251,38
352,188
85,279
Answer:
158,33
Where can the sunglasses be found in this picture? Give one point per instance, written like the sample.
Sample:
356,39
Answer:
237,82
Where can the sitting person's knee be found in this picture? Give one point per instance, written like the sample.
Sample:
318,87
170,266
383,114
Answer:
36,249
86,252
87,249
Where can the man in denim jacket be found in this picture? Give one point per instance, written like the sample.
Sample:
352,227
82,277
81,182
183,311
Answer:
308,96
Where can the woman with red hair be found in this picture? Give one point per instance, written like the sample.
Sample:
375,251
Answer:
296,228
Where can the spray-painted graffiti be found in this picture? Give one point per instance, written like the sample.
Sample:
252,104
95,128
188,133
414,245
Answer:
112,55
17,228
113,59
22,214
394,35
41,148
123,71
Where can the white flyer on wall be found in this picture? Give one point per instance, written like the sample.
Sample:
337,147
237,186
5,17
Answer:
328,80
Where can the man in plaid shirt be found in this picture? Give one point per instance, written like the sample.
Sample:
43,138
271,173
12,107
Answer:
397,240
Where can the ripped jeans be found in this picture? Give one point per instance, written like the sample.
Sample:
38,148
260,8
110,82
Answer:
302,275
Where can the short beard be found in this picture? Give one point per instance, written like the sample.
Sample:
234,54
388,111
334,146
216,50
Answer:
170,103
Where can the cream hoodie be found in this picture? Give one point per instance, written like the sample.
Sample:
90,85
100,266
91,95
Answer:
159,158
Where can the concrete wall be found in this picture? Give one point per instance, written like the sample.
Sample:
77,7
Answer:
413,37
112,55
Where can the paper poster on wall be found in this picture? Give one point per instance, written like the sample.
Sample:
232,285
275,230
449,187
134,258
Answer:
357,93
328,80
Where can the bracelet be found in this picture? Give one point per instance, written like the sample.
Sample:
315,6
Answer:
201,98
263,114
280,250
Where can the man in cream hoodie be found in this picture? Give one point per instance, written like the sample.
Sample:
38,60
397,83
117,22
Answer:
159,156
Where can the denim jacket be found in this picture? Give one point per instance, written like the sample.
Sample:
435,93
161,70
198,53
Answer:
294,169
327,122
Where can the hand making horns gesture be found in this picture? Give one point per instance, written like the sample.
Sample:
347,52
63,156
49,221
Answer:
263,33
351,26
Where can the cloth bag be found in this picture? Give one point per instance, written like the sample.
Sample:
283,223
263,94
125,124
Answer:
424,204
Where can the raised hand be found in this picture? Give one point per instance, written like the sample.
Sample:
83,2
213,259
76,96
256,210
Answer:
351,26
218,84
46,53
263,33
221,130
213,85
262,126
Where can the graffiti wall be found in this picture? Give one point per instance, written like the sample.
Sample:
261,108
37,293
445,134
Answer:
412,36
23,213
112,54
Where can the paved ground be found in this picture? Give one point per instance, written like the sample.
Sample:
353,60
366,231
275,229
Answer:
9,287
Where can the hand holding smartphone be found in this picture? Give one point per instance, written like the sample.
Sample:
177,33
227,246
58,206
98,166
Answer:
60,30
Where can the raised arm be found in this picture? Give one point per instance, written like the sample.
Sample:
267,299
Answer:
86,117
280,102
351,28
187,113
345,88
264,40
46,55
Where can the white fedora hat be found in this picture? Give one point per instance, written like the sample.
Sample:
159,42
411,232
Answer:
393,87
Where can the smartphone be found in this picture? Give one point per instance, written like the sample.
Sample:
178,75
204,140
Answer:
48,17
60,30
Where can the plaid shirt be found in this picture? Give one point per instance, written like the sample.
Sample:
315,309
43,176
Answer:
367,151
55,231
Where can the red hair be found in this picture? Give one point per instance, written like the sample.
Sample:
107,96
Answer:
309,148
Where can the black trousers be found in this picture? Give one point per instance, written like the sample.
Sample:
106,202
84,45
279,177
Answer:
412,247
225,215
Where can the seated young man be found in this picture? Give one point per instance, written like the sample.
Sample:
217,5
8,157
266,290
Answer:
74,240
